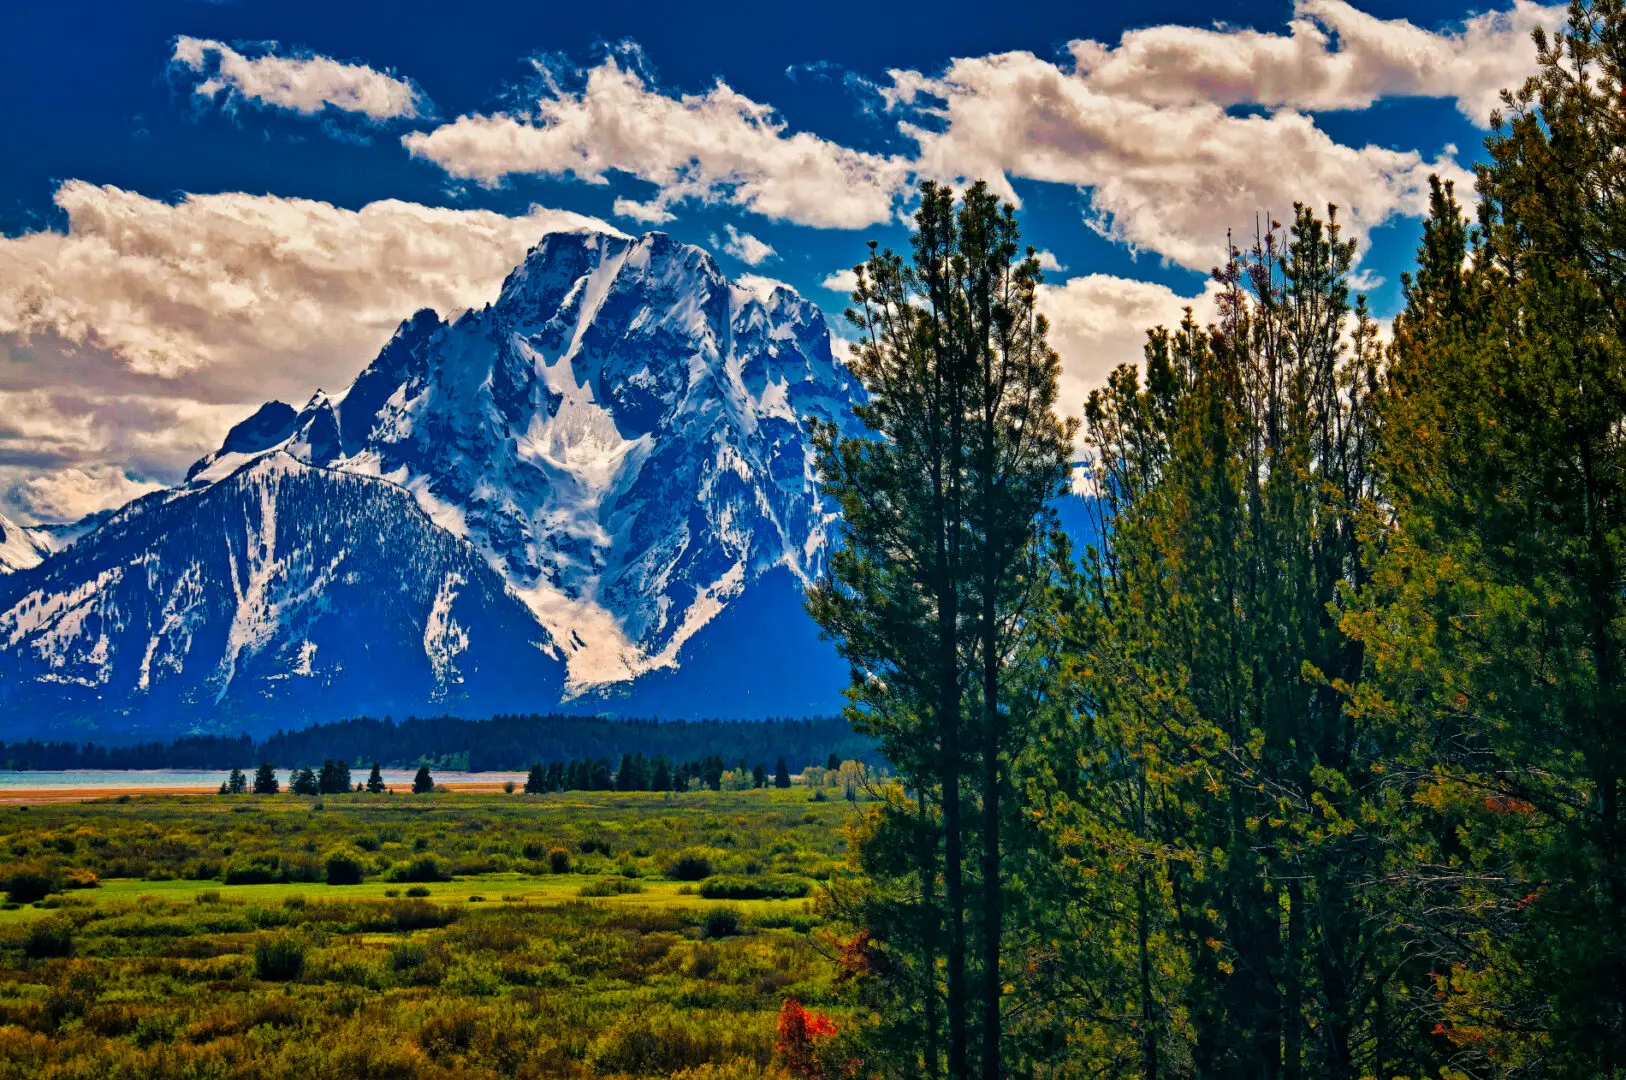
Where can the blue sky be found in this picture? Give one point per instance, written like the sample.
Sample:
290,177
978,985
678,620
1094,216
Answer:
205,205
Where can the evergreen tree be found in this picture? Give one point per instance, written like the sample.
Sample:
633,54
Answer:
265,780
334,778
556,777
781,773
944,545
304,781
375,780
759,776
237,783
661,776
1216,781
599,777
423,783
1496,620
537,782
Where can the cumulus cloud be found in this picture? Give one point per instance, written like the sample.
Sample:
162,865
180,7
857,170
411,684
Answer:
1163,178
303,83
70,494
240,279
715,147
1332,57
1048,262
747,248
842,281
1098,321
137,336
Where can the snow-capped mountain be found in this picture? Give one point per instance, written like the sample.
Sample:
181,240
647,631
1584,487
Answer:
259,601
616,442
20,548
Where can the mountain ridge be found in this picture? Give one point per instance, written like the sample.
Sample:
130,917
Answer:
619,437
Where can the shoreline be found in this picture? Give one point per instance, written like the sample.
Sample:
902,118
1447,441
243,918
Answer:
45,795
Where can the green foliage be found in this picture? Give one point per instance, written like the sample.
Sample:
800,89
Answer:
344,868
690,866
26,884
280,958
423,782
721,923
420,868
165,978
48,938
759,888
265,780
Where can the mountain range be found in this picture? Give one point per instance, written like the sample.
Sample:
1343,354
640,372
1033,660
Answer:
596,492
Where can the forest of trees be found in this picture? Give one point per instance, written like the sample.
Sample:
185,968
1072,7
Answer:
1311,765
508,742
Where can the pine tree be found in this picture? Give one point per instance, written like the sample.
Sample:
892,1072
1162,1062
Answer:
1496,618
661,777
759,776
304,781
375,780
265,780
781,773
944,541
423,783
237,783
537,782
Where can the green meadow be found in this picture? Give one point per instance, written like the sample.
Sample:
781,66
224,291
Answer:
570,934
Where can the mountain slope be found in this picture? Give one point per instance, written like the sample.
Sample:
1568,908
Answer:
616,443
266,599
620,434
20,548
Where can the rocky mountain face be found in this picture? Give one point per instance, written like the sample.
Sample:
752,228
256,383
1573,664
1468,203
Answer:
20,548
575,494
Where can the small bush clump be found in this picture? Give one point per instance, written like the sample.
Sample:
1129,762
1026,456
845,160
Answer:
344,868
721,923
689,866
48,938
279,959
765,888
421,868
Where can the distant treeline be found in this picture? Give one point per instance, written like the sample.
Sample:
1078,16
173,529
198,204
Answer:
507,742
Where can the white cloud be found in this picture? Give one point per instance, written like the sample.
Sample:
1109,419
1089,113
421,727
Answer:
1048,262
305,83
1098,321
70,494
240,279
747,248
715,147
762,287
842,281
1332,57
138,336
1164,178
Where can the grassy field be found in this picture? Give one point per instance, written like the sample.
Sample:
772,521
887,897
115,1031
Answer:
491,935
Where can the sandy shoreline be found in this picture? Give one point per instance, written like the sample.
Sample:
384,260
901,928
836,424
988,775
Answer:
41,796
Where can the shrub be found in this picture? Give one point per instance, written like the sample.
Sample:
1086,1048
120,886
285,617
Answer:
27,884
612,886
689,866
559,861
535,849
720,923
421,868
407,955
48,937
253,870
767,888
279,959
417,892
344,869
